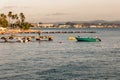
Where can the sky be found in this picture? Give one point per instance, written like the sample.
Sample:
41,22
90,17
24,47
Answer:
63,10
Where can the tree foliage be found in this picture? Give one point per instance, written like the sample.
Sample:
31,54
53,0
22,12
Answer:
3,20
14,21
25,26
3,23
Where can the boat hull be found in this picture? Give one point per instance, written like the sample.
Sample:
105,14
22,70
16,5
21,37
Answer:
79,39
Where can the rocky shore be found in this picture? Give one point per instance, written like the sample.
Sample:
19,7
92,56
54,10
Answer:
17,31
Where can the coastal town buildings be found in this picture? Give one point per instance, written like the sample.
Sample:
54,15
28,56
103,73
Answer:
64,26
34,24
46,25
76,25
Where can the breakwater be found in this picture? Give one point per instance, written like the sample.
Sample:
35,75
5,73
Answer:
53,32
18,31
25,38
39,31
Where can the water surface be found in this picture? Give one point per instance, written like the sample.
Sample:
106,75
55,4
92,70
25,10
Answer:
69,60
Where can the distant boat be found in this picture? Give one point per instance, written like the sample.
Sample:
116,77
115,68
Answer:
87,39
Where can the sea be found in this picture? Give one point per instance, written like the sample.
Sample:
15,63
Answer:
63,59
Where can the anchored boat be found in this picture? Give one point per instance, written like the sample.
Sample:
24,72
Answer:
87,39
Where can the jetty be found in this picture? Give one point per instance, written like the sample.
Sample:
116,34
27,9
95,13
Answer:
14,38
54,32
12,35
18,31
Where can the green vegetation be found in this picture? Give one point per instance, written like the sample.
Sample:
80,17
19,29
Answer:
25,26
3,20
14,21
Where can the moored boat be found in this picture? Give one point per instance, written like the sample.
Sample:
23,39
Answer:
87,39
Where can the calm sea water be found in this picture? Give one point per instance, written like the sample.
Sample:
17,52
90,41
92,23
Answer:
69,60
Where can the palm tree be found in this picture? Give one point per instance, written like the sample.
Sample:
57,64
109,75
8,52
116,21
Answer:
16,19
13,18
3,16
22,17
10,16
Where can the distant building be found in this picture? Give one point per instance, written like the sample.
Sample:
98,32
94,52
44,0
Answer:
64,26
97,26
34,24
78,26
46,25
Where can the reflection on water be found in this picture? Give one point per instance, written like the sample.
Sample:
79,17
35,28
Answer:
69,60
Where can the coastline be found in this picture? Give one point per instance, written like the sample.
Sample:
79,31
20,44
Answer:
20,31
17,31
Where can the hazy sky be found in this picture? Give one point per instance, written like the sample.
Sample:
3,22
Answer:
63,10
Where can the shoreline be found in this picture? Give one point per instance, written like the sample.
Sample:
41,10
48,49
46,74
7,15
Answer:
17,31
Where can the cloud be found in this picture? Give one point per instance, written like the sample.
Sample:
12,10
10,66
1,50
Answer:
13,7
8,7
57,14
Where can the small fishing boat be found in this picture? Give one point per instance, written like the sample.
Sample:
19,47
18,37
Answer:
87,39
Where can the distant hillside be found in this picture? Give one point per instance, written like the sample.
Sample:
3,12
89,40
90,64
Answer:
116,22
99,21
91,22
